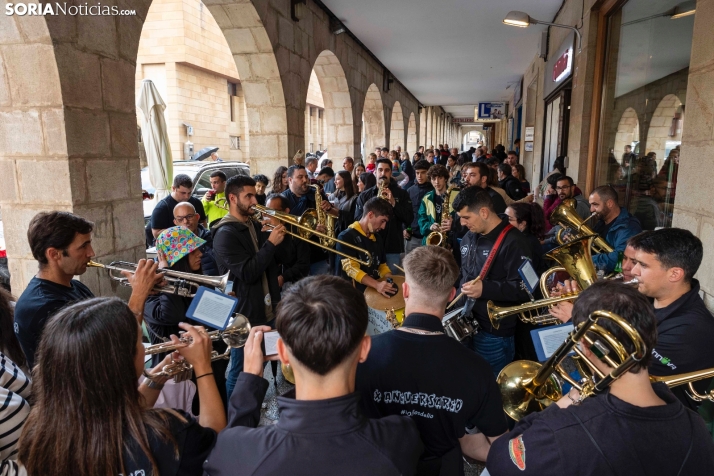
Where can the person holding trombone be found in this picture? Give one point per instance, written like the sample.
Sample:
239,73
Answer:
613,432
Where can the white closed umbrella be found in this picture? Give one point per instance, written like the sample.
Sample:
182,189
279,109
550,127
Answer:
156,139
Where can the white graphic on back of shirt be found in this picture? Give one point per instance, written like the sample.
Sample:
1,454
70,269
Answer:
422,399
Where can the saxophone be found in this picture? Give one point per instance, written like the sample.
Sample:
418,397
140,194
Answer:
324,218
439,238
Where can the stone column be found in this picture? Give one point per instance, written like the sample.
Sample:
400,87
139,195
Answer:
693,206
68,137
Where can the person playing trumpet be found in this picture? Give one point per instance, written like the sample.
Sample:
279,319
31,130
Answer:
613,432
365,234
61,242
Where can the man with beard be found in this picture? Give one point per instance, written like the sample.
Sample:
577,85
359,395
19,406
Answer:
301,197
241,247
566,189
614,224
392,235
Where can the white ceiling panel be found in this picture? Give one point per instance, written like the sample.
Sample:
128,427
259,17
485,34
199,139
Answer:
448,52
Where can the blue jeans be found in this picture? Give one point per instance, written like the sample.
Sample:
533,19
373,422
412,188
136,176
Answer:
320,267
236,367
497,351
392,259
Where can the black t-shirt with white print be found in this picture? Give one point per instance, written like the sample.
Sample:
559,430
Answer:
441,384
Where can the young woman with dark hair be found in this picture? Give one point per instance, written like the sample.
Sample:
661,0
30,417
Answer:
345,200
528,218
90,418
356,172
280,180
15,388
366,180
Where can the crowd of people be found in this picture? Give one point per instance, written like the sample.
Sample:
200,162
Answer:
81,398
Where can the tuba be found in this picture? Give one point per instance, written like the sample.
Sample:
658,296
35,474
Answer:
528,386
567,216
439,238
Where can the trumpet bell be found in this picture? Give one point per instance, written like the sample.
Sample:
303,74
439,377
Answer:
518,399
236,334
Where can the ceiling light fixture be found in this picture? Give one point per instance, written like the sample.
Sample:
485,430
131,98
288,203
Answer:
684,10
336,26
522,20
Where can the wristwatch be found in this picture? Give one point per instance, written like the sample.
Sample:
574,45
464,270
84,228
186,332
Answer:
151,380
152,384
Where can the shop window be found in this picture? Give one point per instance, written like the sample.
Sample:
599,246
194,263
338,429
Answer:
643,109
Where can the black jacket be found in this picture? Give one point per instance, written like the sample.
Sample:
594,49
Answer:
392,235
685,333
208,260
293,258
235,252
312,438
513,187
503,282
416,195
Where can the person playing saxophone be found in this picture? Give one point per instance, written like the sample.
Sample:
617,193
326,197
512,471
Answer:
432,217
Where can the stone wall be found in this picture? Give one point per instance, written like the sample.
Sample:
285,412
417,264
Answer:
693,207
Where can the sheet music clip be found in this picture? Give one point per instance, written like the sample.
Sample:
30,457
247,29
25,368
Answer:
527,289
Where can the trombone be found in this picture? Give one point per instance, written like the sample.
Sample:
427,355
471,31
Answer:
528,386
305,231
179,283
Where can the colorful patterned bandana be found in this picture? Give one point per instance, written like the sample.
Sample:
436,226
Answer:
177,242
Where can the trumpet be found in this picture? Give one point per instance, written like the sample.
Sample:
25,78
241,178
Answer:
689,378
574,258
528,386
179,283
382,185
234,335
304,231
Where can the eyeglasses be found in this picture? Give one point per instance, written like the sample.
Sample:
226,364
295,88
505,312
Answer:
186,218
563,188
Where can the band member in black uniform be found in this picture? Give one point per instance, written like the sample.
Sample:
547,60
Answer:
321,430
242,248
293,255
620,431
417,370
393,234
422,186
501,284
665,264
364,234
300,198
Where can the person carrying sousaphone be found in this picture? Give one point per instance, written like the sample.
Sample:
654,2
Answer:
364,234
613,432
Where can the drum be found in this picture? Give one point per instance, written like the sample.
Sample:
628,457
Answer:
380,306
457,326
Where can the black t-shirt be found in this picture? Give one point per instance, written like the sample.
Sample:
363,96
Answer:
163,215
606,436
40,300
194,442
685,334
441,384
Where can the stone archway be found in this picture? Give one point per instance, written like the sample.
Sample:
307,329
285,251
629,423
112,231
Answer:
628,131
375,131
665,127
412,135
262,85
338,105
396,128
